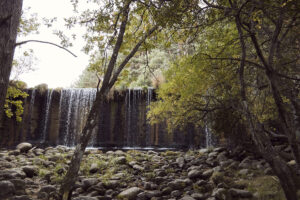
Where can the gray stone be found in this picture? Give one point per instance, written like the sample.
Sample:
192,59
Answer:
23,197
19,184
120,160
220,193
85,198
240,193
206,174
198,196
7,189
130,193
88,182
176,193
177,184
94,168
244,171
193,174
24,147
138,167
180,161
48,189
187,197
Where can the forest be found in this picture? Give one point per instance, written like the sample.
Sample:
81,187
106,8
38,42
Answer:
225,71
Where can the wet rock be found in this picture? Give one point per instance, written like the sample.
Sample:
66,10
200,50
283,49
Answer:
7,189
24,147
130,193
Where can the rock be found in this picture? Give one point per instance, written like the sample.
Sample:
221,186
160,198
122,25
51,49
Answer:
240,193
24,147
138,167
180,161
94,168
176,193
88,182
206,174
130,193
19,184
292,163
23,197
220,193
7,189
30,171
203,151
244,171
198,196
85,198
48,189
193,174
177,184
120,160
186,197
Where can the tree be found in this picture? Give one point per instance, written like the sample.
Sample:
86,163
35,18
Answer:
10,13
124,26
266,62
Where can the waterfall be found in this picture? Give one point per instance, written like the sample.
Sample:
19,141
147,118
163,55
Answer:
75,105
122,120
46,117
208,136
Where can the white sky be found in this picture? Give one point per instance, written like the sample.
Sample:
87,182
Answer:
55,67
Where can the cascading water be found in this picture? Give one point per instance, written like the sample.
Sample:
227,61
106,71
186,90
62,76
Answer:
208,136
122,121
46,117
75,105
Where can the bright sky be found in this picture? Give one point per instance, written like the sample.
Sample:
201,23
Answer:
54,66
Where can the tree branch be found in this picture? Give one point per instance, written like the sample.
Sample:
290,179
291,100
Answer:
44,42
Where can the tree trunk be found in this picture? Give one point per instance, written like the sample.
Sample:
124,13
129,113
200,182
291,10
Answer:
10,13
71,176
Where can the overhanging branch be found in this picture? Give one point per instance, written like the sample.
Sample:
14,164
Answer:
45,42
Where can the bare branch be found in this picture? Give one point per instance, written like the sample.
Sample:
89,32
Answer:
44,42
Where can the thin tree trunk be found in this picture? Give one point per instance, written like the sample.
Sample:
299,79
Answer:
287,178
10,13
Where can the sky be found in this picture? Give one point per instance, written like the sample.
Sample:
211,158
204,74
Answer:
54,66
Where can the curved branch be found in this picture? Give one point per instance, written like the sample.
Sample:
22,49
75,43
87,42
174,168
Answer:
44,42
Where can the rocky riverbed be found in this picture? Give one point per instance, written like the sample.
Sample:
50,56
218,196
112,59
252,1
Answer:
206,174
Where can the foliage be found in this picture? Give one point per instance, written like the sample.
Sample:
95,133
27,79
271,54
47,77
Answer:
14,100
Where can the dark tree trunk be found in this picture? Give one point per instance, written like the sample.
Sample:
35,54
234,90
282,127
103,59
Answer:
10,13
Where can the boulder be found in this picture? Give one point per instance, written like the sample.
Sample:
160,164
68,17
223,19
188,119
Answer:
130,193
94,168
30,171
180,162
7,189
237,193
193,174
187,197
24,147
85,198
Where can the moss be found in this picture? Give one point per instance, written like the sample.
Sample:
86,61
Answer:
266,188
